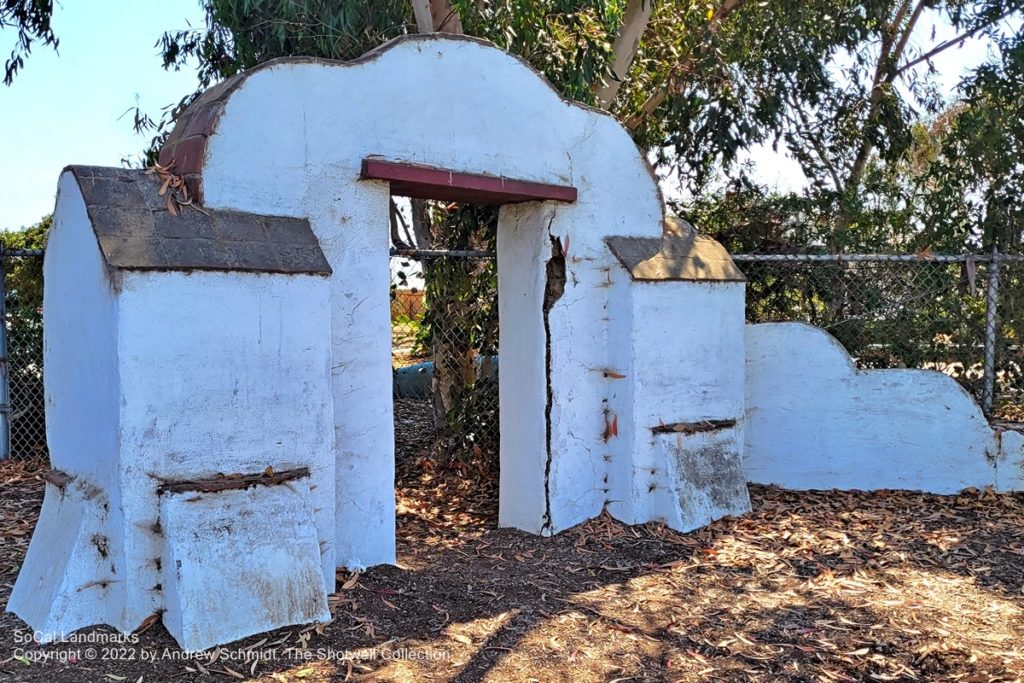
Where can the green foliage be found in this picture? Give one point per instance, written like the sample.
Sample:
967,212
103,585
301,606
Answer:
568,41
460,325
735,85
25,275
708,82
24,286
910,314
977,182
242,33
951,183
748,218
31,19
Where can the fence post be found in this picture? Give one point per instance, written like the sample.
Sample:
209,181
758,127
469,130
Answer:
5,382
991,334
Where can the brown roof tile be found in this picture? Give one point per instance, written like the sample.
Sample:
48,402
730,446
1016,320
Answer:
686,257
135,231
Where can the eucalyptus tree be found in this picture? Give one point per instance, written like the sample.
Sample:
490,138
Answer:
842,85
686,77
977,179
30,19
860,114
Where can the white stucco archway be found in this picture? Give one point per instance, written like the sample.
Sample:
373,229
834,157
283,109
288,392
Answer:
289,137
243,444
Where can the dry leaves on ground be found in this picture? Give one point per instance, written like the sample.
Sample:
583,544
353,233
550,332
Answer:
810,586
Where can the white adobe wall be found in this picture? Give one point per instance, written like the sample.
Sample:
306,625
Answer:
79,343
156,376
254,549
623,464
680,345
521,404
290,142
220,373
82,412
814,421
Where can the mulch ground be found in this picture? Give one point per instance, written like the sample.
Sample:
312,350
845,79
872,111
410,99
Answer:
811,586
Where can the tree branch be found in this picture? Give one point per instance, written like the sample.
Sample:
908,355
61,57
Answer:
396,218
446,18
436,16
812,136
945,45
885,74
420,223
627,41
656,98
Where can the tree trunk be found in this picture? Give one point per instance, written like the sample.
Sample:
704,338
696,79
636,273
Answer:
446,18
686,66
627,41
436,16
424,22
894,42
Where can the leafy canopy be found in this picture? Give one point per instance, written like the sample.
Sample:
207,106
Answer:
31,20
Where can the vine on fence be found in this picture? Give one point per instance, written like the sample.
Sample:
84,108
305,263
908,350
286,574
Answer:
460,326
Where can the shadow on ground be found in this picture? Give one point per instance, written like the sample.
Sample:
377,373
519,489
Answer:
810,586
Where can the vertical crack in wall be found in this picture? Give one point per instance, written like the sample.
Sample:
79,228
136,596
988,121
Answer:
554,288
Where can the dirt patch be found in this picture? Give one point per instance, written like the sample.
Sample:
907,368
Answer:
827,586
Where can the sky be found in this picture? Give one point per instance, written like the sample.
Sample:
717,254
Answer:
70,107
779,171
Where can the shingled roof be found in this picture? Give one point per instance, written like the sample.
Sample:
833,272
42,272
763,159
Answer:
135,231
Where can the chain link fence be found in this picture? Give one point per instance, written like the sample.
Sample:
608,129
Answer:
22,405
444,329
961,315
957,314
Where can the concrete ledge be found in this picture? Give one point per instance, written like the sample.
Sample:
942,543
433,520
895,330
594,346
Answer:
703,477
240,561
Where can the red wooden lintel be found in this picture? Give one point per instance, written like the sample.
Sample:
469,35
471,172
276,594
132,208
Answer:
428,182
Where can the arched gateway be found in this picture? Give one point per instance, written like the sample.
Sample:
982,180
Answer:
255,334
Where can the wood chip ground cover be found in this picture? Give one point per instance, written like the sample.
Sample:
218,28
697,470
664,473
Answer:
811,586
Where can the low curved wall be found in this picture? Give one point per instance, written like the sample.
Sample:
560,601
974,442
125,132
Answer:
814,421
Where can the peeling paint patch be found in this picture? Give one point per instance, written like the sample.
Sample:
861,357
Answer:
698,427
102,545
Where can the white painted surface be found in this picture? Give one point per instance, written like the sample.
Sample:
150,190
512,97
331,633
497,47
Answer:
221,373
814,421
1010,467
155,376
64,583
522,401
240,562
82,413
680,347
79,344
291,142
